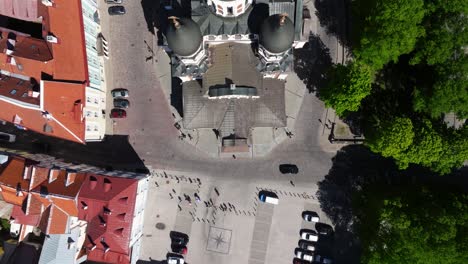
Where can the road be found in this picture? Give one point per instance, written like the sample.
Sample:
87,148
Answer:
153,140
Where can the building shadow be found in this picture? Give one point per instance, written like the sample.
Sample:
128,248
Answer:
150,11
113,153
335,16
256,17
176,95
312,62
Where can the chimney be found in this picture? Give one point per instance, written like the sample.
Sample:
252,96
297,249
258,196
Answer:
102,221
106,247
107,211
70,242
92,182
107,185
71,175
53,174
27,173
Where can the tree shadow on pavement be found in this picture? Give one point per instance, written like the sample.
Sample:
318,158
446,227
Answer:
335,16
312,62
355,172
352,166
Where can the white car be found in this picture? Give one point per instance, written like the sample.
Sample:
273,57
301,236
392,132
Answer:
310,216
302,254
308,234
5,137
173,258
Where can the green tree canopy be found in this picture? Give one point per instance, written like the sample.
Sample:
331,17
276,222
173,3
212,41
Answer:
347,86
393,138
414,224
449,93
390,30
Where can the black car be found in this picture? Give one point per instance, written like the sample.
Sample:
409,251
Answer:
324,229
178,238
116,10
121,103
288,168
179,249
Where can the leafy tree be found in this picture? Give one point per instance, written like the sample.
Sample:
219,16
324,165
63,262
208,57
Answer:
347,86
393,138
414,224
449,93
390,30
446,34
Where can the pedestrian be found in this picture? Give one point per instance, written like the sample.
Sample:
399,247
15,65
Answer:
173,191
170,194
292,183
233,156
199,182
197,199
216,190
206,204
157,185
180,198
190,137
180,208
190,180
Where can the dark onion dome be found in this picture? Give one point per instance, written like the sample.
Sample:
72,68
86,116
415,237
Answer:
183,36
277,33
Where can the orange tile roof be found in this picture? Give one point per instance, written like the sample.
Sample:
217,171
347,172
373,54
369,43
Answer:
38,176
21,218
9,195
34,120
65,21
34,205
66,205
66,107
58,221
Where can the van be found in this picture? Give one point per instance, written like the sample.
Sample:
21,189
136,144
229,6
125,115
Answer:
268,197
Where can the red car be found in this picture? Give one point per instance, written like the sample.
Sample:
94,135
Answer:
118,113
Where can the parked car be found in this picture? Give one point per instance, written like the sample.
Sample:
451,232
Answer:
118,113
321,259
288,169
304,254
309,234
116,10
310,216
119,92
307,245
113,1
324,229
173,258
5,137
268,197
300,261
121,103
179,238
180,249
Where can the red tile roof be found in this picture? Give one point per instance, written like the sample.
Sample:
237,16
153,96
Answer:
63,61
96,199
11,173
20,217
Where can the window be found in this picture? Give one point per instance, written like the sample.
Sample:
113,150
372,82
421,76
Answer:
13,92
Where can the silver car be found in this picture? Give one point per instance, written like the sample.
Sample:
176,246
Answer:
5,137
113,1
120,92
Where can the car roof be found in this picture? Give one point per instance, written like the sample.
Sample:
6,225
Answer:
267,193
